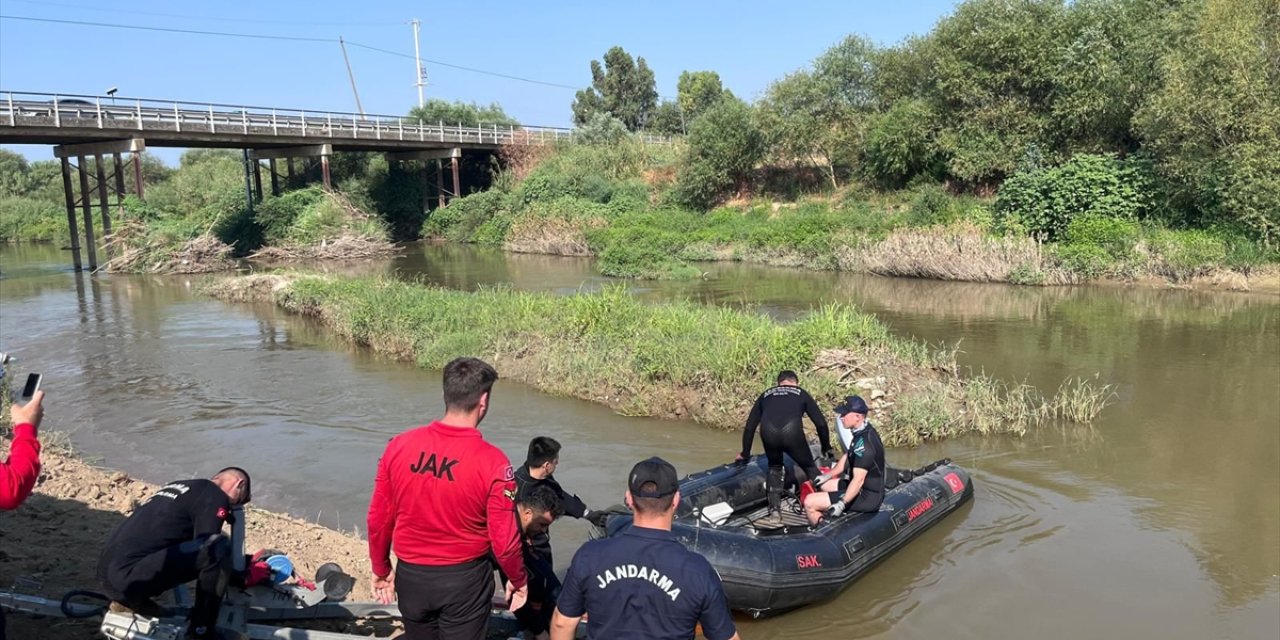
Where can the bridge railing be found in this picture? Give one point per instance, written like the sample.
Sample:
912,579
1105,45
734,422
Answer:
144,114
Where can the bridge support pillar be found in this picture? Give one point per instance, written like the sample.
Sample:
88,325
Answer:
257,180
102,185
275,177
70,195
439,156
322,151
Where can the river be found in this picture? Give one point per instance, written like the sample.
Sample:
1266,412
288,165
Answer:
1160,520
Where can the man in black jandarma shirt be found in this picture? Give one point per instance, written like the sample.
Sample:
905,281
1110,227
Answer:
171,539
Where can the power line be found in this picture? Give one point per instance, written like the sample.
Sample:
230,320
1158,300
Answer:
295,39
457,66
208,18
170,30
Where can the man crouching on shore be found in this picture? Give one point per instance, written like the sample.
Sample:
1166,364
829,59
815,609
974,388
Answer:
173,538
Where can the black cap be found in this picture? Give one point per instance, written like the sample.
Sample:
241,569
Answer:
852,404
247,492
657,471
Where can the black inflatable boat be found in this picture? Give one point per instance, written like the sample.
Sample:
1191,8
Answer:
769,571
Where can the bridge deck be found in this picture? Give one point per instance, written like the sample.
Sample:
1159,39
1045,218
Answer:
32,118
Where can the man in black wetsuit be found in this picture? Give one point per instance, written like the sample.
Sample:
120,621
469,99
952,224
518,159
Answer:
173,538
780,410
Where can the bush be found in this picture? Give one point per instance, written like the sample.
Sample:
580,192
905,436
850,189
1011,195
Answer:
931,206
899,145
276,215
1085,260
1182,255
26,220
724,146
1045,201
460,219
1116,237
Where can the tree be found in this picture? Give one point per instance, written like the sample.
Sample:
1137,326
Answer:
14,174
667,119
698,91
467,114
622,87
1213,123
805,121
992,81
724,146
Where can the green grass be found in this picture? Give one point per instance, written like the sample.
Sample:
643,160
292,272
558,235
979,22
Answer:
678,360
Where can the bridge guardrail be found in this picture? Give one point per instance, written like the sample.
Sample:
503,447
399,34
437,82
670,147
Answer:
145,114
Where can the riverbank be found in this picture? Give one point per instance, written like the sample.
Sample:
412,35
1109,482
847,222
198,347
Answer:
50,545
676,361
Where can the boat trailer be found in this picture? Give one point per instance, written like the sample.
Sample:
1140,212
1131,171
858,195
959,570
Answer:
259,612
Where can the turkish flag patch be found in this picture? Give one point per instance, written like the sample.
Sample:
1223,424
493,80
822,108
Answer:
954,482
509,474
222,513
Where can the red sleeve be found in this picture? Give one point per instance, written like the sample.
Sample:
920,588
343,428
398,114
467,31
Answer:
381,522
18,474
504,533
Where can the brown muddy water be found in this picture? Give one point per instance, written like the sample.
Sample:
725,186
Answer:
1160,520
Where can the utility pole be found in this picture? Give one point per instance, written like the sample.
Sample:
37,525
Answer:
417,58
351,75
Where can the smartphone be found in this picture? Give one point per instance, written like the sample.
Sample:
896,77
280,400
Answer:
30,388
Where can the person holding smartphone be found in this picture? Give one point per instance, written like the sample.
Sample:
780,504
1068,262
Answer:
18,473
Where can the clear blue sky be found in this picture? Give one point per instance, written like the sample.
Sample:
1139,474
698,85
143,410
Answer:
750,44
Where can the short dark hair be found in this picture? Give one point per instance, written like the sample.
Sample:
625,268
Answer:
787,374
652,506
542,450
541,498
465,380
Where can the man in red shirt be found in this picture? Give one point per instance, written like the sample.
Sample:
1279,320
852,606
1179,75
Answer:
18,473
443,498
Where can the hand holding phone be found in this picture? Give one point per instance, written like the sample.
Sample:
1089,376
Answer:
29,408
30,388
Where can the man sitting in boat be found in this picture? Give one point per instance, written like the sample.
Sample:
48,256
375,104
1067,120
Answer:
779,413
856,483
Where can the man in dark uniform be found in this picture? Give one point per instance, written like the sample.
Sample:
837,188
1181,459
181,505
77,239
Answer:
443,498
538,470
780,410
173,538
856,483
537,507
643,584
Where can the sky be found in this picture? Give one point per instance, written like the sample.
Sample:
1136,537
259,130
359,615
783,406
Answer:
749,43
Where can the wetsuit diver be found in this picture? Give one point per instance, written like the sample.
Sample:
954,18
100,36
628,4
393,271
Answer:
779,412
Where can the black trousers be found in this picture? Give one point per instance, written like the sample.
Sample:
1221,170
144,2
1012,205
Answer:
206,561
790,441
544,589
445,603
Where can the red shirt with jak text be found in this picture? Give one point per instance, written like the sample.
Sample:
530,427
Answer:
443,496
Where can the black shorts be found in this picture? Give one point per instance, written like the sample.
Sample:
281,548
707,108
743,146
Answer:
445,603
864,502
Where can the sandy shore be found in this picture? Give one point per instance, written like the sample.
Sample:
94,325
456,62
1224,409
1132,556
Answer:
50,545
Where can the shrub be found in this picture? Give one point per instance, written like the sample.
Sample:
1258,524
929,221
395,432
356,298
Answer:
931,206
1085,260
724,145
1182,255
1045,201
1115,236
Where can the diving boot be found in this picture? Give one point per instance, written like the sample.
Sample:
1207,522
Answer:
772,520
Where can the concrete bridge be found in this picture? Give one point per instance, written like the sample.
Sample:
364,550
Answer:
86,126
